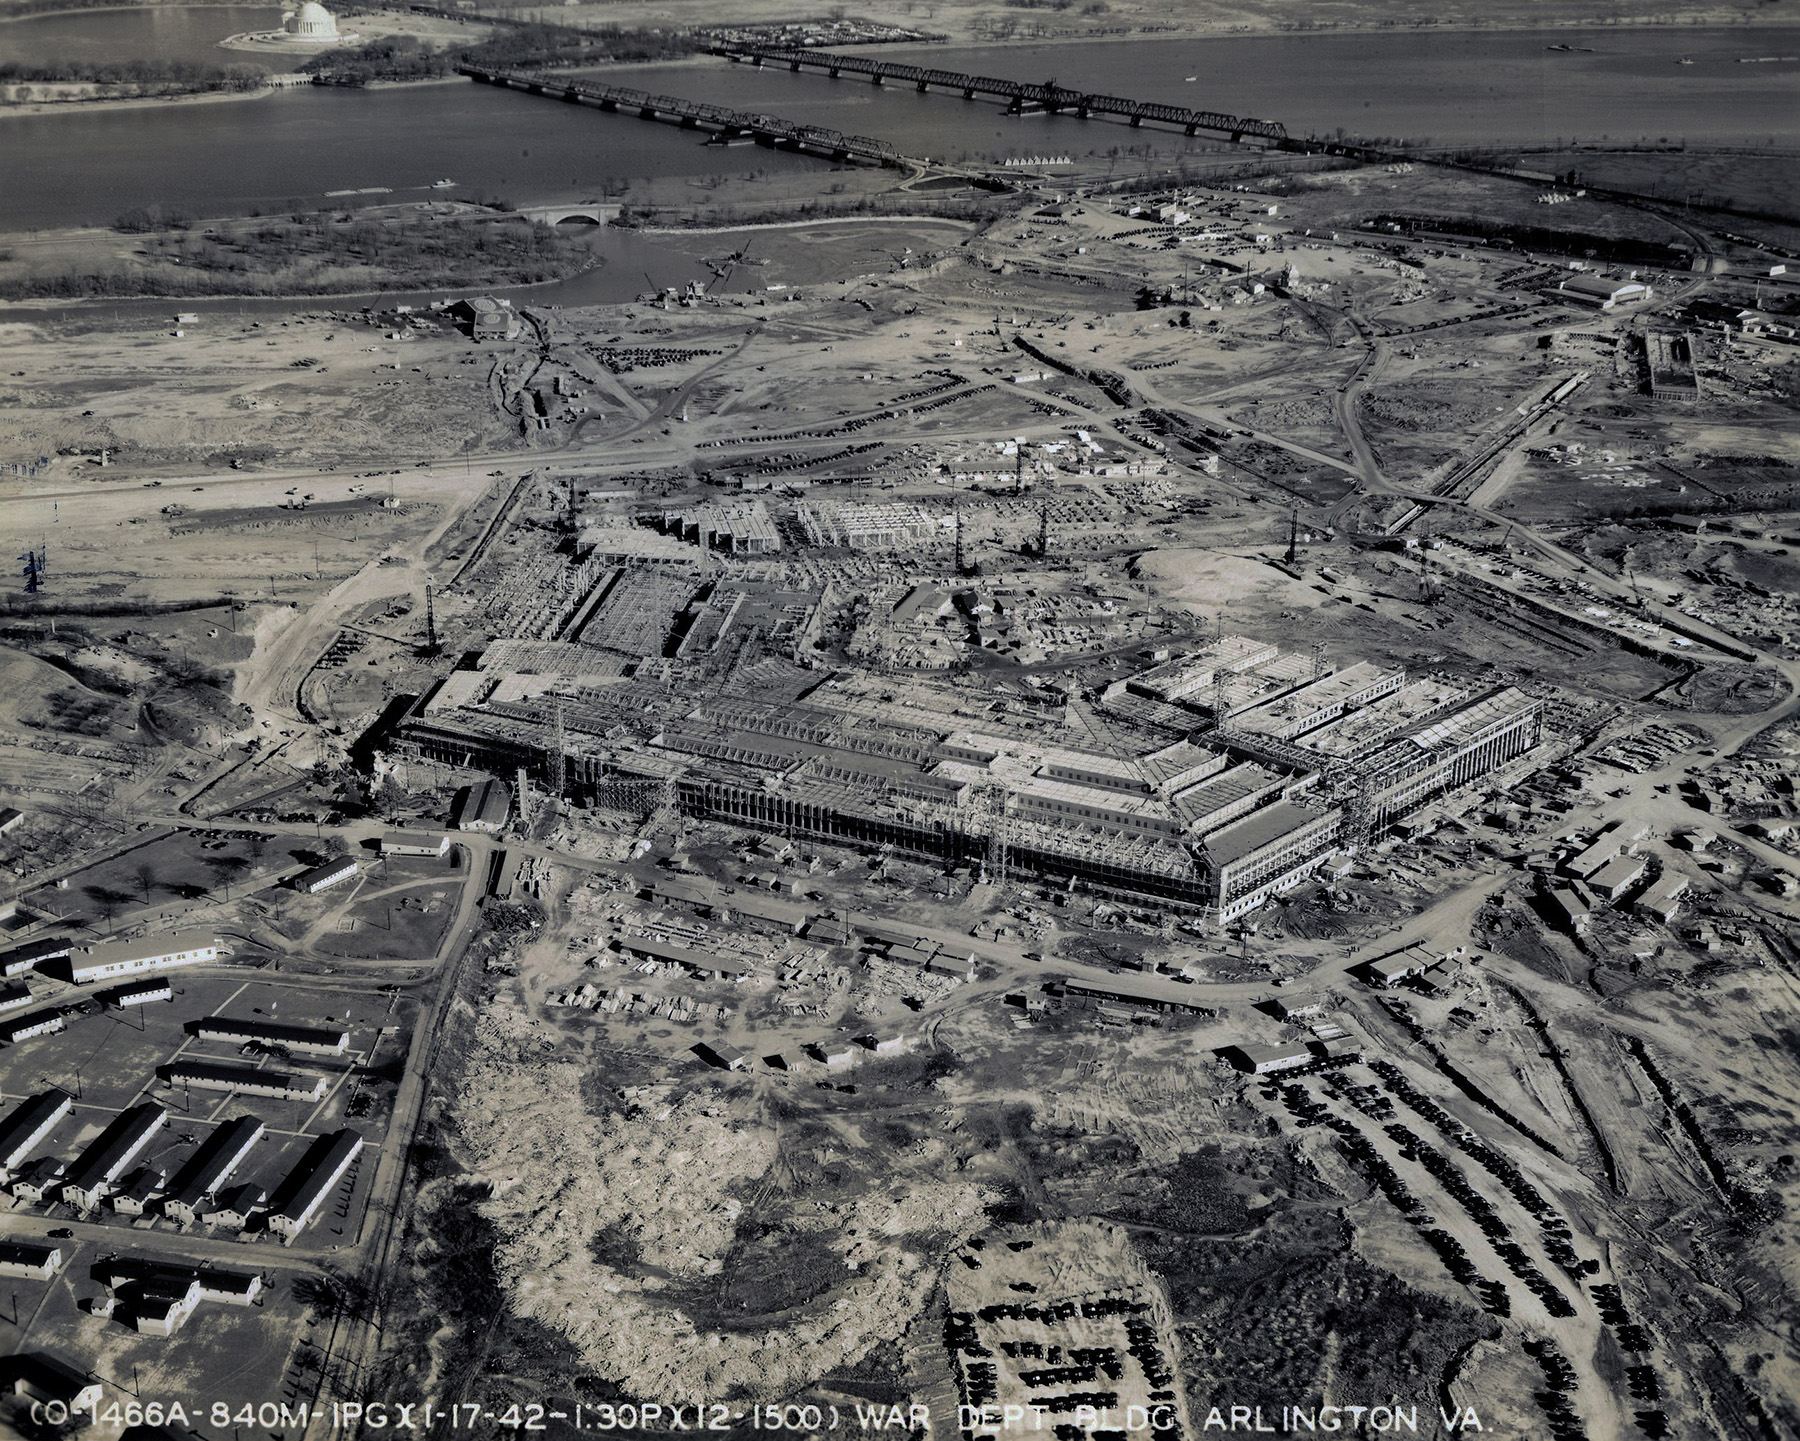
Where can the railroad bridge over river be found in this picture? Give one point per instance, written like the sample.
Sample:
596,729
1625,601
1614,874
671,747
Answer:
725,125
1022,97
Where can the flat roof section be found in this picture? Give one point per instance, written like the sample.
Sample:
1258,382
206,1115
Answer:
1219,792
1507,703
1242,838
112,953
1289,715
1362,729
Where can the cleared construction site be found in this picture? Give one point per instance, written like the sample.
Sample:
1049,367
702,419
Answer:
1269,762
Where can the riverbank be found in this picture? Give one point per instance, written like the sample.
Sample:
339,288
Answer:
460,247
754,225
106,103
91,104
975,22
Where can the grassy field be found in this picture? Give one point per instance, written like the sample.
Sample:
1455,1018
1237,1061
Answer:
322,253
179,867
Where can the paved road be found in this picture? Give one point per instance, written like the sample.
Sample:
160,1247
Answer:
266,1255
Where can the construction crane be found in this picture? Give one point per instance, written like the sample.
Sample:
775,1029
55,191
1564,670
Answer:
998,858
734,260
1426,592
559,753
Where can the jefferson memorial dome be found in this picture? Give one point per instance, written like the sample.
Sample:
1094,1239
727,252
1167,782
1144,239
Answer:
311,24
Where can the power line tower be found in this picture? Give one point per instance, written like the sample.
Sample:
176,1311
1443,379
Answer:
961,561
1043,535
431,635
34,569
1221,706
1293,545
1318,660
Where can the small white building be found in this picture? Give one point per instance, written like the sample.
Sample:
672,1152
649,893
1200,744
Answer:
1262,1060
138,993
29,1262
44,1377
415,843
1602,294
323,877
38,1023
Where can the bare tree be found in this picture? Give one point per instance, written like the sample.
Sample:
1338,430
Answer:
225,869
108,898
146,877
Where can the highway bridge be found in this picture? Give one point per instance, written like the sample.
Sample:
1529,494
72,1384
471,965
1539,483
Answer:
1022,97
694,115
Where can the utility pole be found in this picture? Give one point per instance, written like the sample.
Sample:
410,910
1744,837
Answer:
1043,535
1293,545
431,635
956,513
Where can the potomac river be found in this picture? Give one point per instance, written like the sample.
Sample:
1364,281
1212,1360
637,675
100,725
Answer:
294,149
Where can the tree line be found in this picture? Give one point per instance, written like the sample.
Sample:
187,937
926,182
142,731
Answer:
405,57
182,74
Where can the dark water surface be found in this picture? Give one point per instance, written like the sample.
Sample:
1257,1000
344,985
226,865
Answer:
156,32
1457,87
294,149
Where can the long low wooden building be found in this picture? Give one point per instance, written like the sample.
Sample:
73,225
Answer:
701,963
307,1186
1156,993
314,1040
209,1076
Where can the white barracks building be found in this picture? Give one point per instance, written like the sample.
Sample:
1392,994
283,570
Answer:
110,959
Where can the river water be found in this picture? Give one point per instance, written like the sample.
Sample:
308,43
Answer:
152,32
294,149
